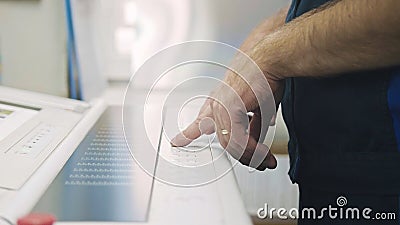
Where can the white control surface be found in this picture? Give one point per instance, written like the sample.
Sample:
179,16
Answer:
35,141
25,149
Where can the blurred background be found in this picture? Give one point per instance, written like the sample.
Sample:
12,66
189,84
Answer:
85,49
112,38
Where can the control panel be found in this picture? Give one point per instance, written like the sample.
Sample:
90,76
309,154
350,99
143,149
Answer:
36,141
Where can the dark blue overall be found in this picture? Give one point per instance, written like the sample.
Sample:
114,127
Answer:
344,136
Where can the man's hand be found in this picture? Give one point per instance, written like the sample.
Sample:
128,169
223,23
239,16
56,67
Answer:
227,108
226,113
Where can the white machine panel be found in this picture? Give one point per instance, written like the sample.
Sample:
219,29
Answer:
58,137
29,145
30,129
37,140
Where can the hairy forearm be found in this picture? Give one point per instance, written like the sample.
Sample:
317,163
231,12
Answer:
268,26
265,28
350,35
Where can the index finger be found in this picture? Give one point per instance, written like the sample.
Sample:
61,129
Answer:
202,125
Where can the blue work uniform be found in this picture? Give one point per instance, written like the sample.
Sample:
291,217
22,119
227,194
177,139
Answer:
344,136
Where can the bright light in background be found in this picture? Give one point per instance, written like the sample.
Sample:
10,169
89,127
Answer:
158,23
150,25
124,33
130,12
124,40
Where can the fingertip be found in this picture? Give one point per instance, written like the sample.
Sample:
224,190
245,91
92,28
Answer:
261,167
173,144
180,140
271,161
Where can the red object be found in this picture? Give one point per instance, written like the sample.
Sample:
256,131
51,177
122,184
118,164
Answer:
37,219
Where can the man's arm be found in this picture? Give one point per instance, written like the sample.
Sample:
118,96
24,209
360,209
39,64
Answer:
346,36
198,127
252,45
268,26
